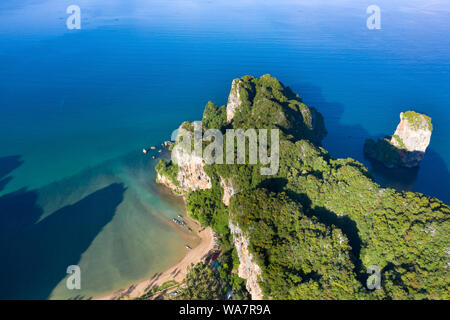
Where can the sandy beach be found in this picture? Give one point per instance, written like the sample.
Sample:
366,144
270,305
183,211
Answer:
176,272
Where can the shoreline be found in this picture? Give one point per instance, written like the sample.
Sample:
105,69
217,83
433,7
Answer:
176,272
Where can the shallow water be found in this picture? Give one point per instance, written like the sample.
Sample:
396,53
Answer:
77,106
111,220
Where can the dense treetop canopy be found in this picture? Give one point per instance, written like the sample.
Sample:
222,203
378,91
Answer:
316,226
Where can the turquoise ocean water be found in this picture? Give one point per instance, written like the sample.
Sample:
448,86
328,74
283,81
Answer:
77,106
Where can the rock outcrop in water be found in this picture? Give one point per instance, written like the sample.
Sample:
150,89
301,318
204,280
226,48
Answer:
413,133
407,146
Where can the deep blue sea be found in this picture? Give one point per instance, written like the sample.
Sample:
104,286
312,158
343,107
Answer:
78,106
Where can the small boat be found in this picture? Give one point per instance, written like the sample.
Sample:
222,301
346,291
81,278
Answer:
166,144
153,147
189,248
144,151
177,221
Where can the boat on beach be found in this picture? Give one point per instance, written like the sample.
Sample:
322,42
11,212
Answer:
179,222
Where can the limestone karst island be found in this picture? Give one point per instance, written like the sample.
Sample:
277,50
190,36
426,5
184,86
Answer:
312,230
206,159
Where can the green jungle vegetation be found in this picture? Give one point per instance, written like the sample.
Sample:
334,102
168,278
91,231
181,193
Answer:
317,225
418,120
201,284
204,283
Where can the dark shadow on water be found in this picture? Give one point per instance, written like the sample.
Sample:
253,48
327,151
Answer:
18,210
4,182
431,178
8,164
396,178
35,256
342,141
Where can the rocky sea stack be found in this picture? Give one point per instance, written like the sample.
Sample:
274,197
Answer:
407,146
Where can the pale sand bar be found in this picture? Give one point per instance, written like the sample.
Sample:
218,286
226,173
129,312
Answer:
176,272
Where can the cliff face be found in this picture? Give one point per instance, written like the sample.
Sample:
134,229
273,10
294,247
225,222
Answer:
407,146
264,102
191,174
248,269
414,132
412,137
228,190
234,99
168,183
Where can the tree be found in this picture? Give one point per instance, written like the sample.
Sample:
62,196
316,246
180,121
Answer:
201,284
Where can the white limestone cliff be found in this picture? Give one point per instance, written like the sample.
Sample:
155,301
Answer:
412,137
191,173
248,268
228,190
234,99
